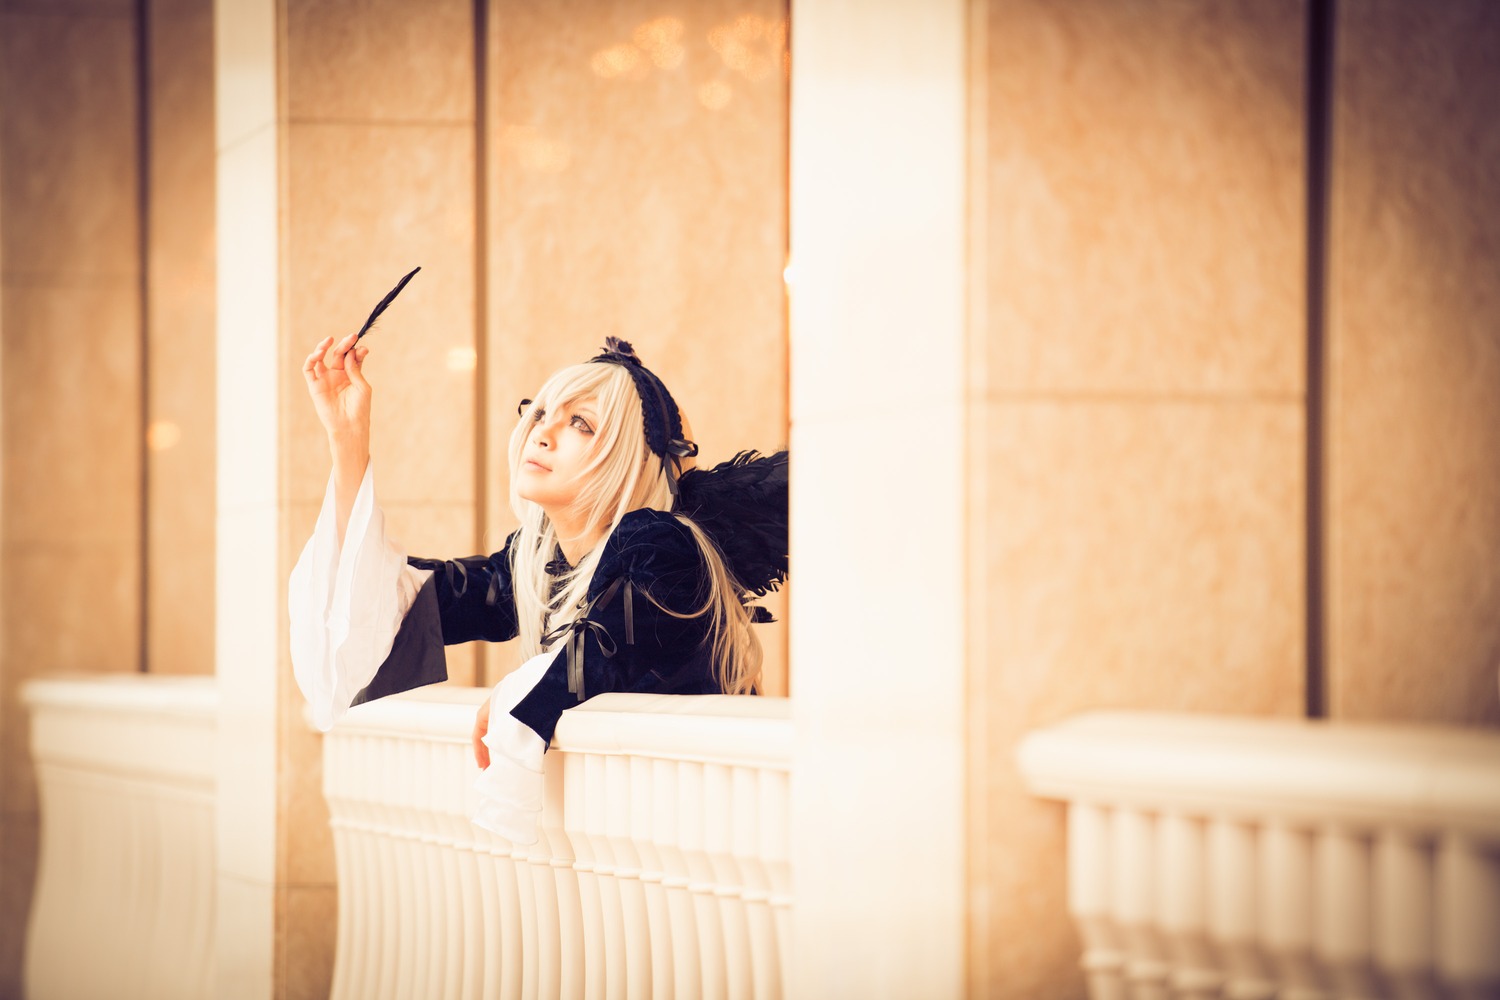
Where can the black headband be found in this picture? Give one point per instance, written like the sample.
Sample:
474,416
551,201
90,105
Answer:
659,414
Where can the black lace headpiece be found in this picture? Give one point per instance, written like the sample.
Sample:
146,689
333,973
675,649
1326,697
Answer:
659,413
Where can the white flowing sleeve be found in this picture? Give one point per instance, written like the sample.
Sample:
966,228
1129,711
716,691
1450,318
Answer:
347,605
511,788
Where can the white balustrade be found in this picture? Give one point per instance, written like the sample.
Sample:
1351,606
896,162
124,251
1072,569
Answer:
124,903
1257,858
662,867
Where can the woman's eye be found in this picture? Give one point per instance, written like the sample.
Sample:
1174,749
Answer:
537,415
582,425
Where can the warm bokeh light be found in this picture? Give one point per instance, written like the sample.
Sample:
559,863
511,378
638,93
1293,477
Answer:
714,95
462,359
661,39
162,434
535,151
622,60
751,46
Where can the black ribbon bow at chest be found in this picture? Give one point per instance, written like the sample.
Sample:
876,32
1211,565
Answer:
575,632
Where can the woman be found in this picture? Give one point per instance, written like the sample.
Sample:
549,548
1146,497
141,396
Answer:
607,589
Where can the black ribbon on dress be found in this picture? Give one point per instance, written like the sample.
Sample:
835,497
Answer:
576,631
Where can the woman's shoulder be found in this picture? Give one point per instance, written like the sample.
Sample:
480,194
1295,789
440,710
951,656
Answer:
649,543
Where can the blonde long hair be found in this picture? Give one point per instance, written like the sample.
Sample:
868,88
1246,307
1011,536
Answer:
621,475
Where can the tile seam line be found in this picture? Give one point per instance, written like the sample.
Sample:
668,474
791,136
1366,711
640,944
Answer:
72,282
1130,397
143,154
70,13
464,123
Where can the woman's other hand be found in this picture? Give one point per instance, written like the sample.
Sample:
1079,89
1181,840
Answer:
481,727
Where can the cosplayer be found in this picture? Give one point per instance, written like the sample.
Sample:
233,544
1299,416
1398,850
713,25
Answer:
631,570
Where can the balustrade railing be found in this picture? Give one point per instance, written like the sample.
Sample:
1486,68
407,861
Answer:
124,902
661,869
1257,858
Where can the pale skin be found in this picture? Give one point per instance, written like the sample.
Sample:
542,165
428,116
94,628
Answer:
555,451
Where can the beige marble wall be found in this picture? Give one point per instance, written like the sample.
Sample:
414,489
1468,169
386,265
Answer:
70,405
1414,370
1136,421
637,188
180,353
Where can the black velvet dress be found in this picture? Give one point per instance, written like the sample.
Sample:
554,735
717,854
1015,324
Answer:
644,627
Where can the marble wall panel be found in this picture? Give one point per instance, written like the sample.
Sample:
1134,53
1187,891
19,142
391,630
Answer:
180,339
71,7
1145,174
18,854
366,204
1136,555
72,401
306,918
1137,426
637,188
1415,364
380,60
1144,554
305,850
69,178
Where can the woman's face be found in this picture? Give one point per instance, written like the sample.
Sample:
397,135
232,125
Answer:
558,446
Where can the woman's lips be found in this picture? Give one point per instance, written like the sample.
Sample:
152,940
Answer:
532,463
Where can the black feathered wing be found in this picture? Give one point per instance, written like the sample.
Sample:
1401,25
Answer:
742,505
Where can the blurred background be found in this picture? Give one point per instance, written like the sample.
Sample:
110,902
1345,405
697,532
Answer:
1229,407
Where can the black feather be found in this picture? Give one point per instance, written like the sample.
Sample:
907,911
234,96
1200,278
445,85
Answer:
742,505
380,308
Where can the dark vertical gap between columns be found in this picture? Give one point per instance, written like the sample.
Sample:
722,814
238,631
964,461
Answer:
1320,63
142,14
481,299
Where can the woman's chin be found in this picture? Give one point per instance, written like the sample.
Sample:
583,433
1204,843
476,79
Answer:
542,498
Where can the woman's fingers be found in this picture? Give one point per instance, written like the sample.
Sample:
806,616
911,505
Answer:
481,727
333,357
312,367
354,367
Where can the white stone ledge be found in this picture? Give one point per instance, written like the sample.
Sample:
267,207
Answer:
126,769
146,726
1363,776
720,729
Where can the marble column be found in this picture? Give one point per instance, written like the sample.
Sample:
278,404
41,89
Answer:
878,335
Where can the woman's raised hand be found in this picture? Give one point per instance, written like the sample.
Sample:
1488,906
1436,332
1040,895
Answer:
336,382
